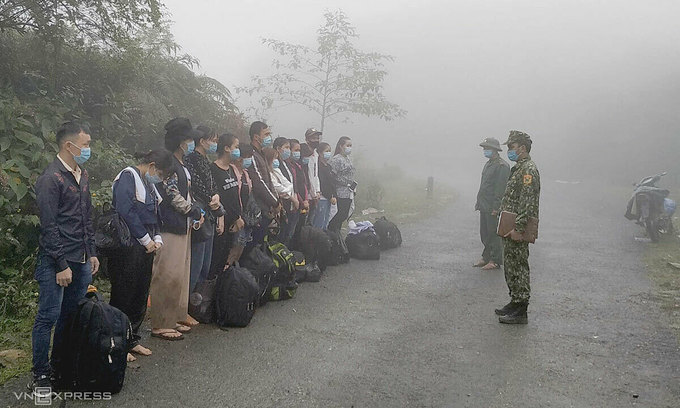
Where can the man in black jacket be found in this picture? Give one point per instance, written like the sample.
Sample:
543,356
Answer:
67,258
263,189
494,179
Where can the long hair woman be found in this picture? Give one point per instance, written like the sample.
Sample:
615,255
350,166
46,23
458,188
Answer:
342,171
172,263
135,199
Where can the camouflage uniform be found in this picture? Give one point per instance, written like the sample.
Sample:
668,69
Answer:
521,197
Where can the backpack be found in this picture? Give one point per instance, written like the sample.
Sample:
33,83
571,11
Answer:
202,301
237,293
389,234
364,245
304,271
314,243
263,269
282,258
97,340
283,291
339,253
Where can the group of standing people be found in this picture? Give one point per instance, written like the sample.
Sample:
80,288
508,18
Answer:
515,191
190,218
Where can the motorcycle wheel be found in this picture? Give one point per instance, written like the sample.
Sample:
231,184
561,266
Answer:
652,230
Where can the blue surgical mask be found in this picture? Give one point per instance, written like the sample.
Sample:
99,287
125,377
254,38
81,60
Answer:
267,141
152,179
512,155
247,162
84,155
296,156
488,153
276,164
348,151
236,154
190,147
285,154
305,160
212,148
326,155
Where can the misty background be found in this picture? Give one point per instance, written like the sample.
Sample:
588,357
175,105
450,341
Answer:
595,83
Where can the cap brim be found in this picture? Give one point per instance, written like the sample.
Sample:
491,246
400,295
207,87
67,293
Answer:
490,147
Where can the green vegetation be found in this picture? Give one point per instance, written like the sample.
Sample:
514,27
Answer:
666,277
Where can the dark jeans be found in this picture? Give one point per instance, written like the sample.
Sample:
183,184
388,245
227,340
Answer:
323,212
201,256
288,229
130,274
55,306
259,231
493,248
344,205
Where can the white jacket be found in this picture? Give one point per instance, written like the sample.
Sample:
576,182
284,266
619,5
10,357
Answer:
282,186
313,173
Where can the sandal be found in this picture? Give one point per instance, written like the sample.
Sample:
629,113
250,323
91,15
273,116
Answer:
190,321
182,328
166,334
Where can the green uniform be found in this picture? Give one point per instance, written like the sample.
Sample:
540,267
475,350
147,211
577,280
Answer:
494,179
521,197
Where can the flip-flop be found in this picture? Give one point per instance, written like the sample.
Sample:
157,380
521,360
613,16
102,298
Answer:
163,335
480,264
491,266
185,323
182,328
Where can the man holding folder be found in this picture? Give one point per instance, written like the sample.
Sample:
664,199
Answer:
518,226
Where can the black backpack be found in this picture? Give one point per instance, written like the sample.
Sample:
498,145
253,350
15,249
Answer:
97,340
314,243
304,271
339,252
263,269
389,234
236,295
364,245
202,301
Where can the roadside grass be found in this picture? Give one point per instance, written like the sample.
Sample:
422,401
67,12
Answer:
15,333
399,198
666,278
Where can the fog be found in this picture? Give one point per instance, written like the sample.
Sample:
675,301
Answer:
595,83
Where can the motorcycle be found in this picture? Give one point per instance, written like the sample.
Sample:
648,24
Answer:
651,208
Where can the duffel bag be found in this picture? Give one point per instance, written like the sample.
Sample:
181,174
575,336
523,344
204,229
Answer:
364,245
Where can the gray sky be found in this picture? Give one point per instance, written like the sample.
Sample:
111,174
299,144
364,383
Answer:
587,79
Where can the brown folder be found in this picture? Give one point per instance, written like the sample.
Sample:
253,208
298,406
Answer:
506,223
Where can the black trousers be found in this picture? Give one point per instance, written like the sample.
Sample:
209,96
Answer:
130,274
493,247
222,245
344,204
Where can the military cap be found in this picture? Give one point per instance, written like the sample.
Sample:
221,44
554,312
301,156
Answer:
516,136
491,143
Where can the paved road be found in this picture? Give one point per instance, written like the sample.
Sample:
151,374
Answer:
417,329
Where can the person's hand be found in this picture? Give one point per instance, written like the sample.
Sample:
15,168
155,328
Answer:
494,213
150,247
200,222
305,205
220,225
514,235
334,201
296,203
94,263
158,245
215,202
237,225
64,277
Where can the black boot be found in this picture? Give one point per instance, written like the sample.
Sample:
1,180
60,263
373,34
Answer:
506,309
516,316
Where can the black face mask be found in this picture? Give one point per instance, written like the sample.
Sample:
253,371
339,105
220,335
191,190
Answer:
314,145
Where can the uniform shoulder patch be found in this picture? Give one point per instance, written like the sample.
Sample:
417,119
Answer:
528,178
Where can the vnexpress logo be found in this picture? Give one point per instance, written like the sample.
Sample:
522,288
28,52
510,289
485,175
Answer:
43,396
